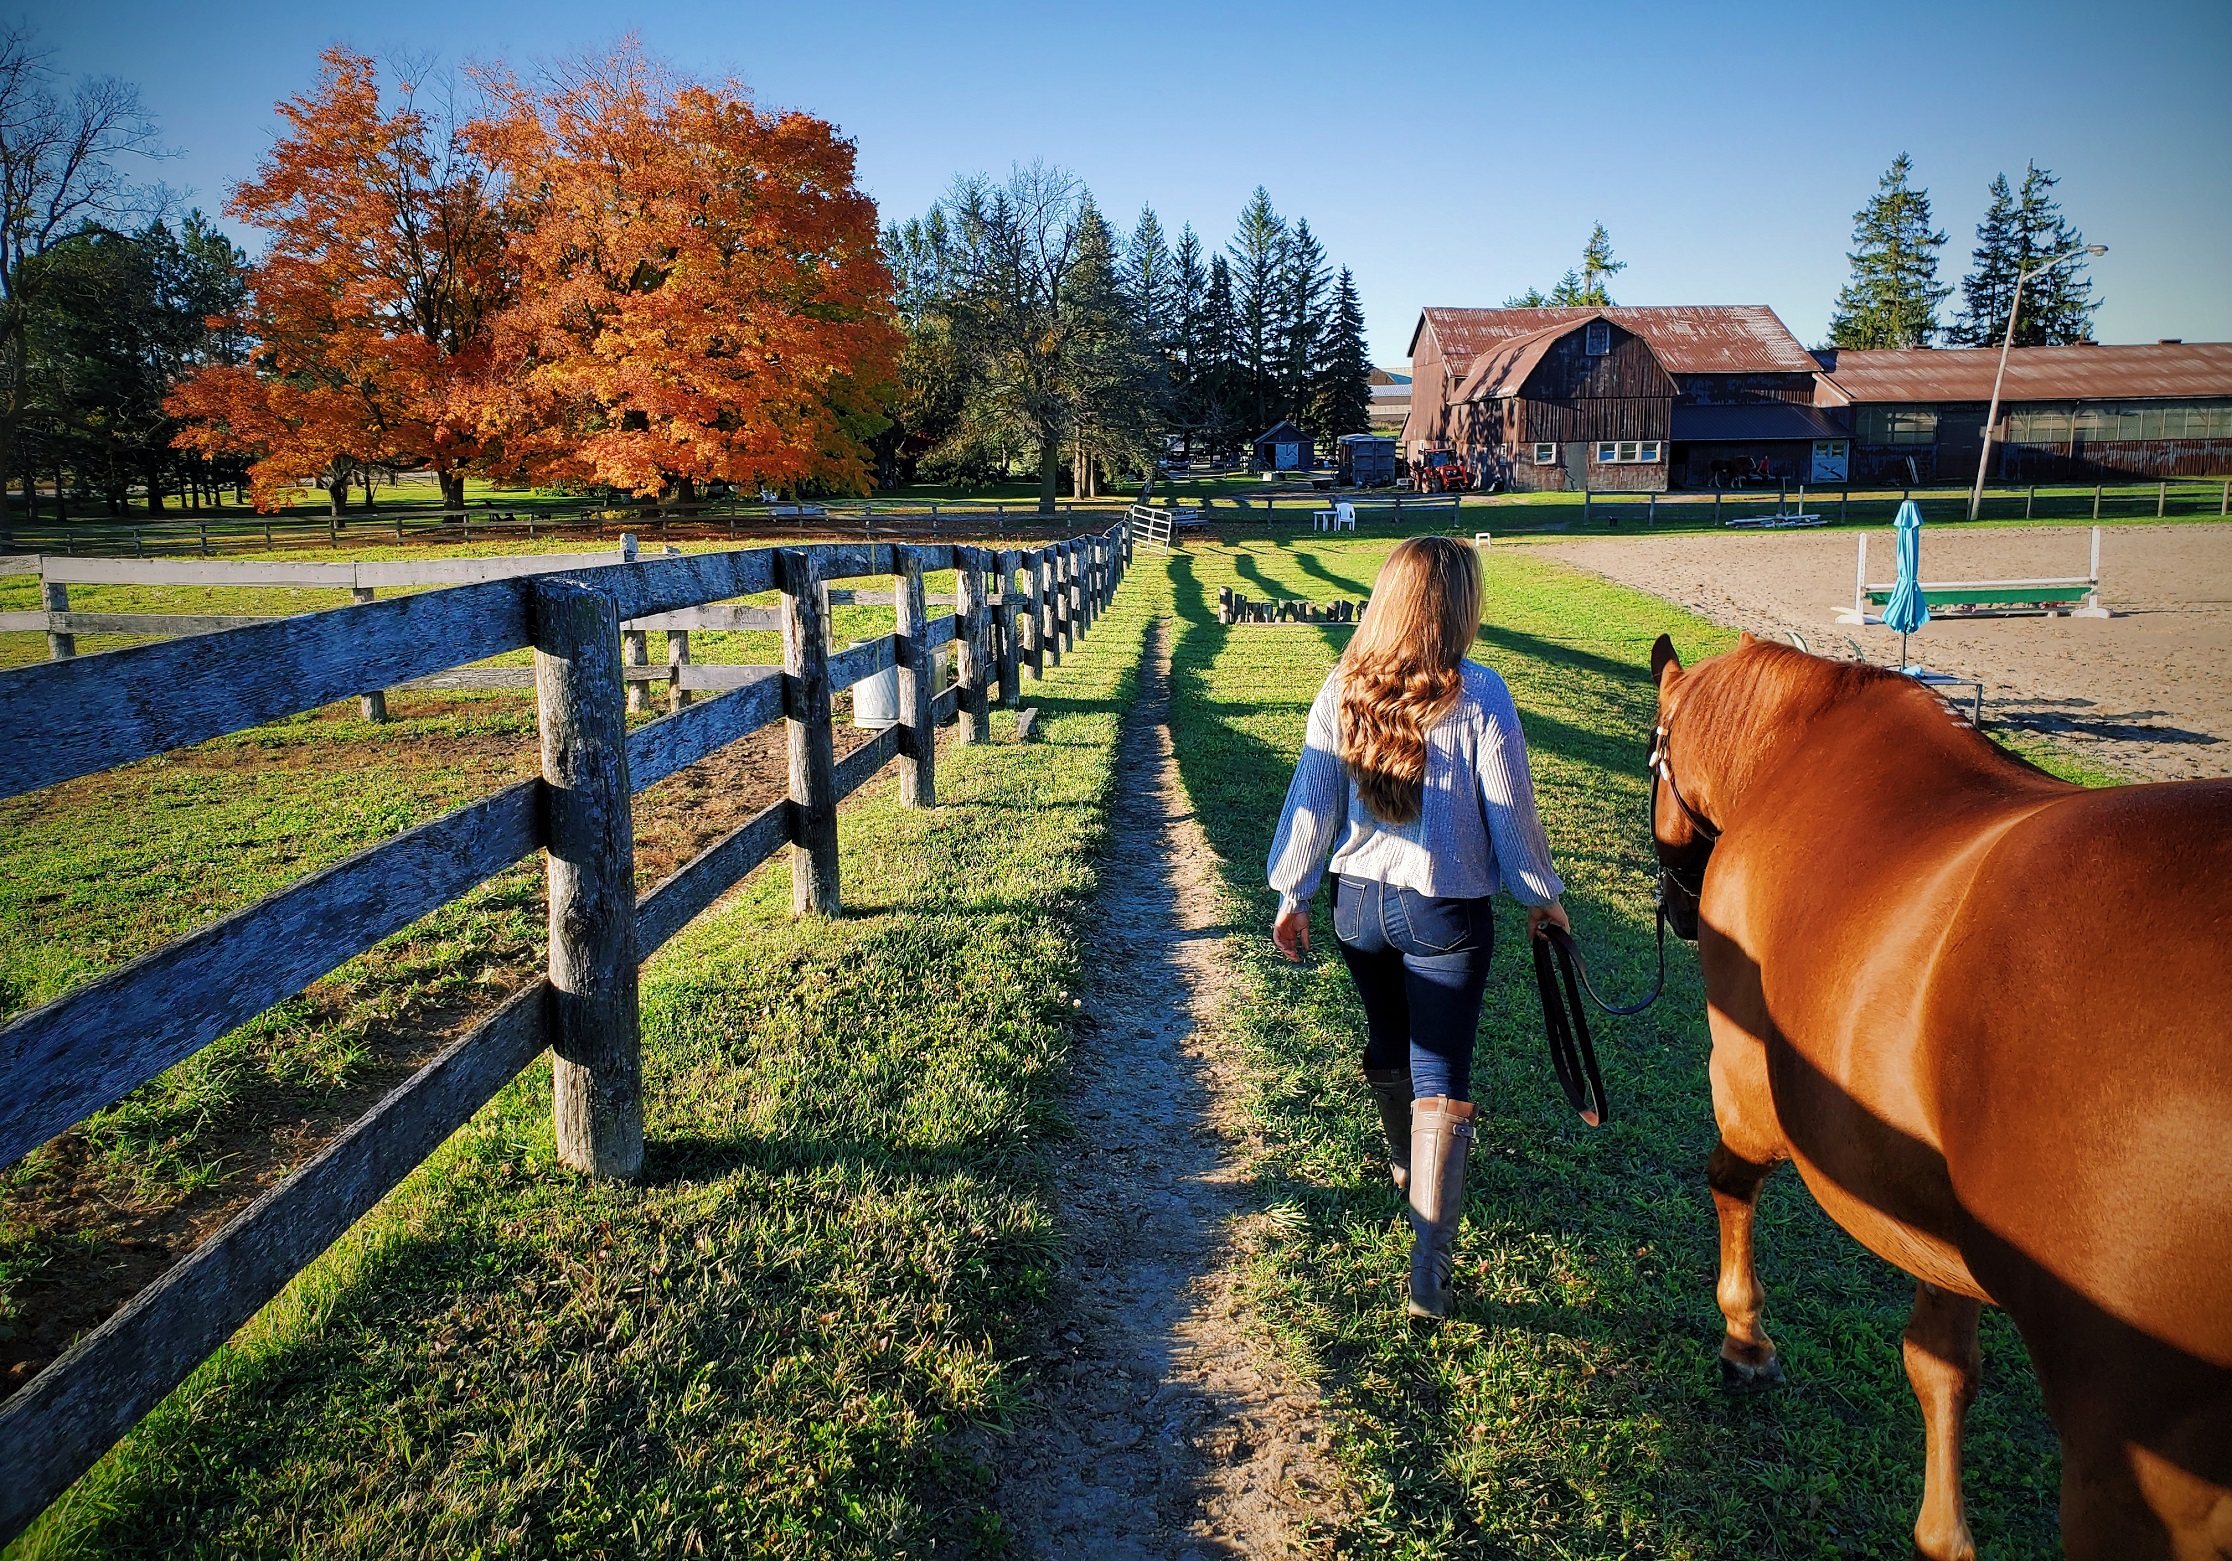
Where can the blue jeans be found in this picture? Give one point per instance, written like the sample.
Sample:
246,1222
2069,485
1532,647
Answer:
1420,963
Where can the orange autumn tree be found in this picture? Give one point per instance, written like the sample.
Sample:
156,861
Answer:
701,294
372,308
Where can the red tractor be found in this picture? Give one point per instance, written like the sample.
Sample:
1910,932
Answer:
1440,471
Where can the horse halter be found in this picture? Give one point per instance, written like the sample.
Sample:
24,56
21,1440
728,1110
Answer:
1661,766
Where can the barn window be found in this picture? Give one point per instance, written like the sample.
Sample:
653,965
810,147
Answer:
1627,452
1546,455
1597,339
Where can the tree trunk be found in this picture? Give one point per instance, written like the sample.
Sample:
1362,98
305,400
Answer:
154,490
453,489
337,494
1050,472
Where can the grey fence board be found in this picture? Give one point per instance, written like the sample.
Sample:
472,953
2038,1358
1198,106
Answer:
72,717
73,1411
864,660
695,885
87,1049
855,769
659,748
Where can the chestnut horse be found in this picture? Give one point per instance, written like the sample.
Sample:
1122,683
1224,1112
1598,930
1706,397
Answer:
1988,1014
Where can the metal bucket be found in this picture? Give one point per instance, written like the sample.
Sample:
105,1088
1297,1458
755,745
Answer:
876,698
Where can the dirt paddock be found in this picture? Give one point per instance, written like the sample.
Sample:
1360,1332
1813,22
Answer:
2147,692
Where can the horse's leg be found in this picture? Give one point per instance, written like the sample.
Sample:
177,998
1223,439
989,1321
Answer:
1943,1363
1747,1356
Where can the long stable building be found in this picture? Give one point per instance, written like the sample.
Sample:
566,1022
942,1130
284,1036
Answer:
1644,399
2067,414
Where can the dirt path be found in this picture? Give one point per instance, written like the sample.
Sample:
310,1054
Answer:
1161,1428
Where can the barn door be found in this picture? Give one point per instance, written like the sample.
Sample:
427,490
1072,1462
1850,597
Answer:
1577,465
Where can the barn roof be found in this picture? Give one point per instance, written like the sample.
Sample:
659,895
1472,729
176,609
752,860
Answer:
2082,373
1503,366
1688,338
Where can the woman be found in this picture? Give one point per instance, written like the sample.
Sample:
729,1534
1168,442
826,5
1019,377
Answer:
1414,775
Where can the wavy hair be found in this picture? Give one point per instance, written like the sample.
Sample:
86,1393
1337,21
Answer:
1399,675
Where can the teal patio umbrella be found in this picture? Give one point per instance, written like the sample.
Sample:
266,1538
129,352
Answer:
1907,611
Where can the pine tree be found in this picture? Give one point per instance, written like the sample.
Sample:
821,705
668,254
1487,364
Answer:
2018,231
1150,283
1224,376
1190,307
1343,391
1582,287
1302,324
1258,253
1893,297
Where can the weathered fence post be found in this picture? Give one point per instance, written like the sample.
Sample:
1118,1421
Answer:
597,1067
1050,581
1069,595
55,597
639,655
1011,680
973,620
678,657
1084,571
371,705
813,753
918,732
1034,604
2162,498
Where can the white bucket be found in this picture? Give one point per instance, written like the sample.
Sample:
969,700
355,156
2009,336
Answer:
876,698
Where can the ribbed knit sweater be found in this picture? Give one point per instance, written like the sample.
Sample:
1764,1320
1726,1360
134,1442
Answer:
1476,832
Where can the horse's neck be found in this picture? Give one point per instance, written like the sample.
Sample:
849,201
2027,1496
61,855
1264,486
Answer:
1766,713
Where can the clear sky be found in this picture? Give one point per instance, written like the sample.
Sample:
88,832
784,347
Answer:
1449,154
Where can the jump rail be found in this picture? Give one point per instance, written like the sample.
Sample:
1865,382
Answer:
84,1051
2077,596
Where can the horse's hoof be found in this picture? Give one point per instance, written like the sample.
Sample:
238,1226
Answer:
1743,1377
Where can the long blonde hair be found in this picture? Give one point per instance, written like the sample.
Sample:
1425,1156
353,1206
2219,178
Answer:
1400,672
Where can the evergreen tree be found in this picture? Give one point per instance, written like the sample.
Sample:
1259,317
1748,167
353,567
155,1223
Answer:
1190,308
1224,380
1149,280
1893,297
1111,371
1343,391
1302,325
1582,287
2019,231
1258,254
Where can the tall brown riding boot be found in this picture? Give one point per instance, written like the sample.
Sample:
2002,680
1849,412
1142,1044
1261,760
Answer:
1391,1089
1441,1136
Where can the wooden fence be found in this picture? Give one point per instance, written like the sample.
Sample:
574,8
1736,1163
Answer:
62,624
1015,611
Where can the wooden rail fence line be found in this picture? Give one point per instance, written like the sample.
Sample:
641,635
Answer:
77,715
363,579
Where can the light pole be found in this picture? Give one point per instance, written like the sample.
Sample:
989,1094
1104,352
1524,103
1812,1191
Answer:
2014,307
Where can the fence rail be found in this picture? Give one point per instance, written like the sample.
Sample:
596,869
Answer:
1015,612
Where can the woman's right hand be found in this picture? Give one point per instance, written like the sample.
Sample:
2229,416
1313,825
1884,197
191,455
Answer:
1291,932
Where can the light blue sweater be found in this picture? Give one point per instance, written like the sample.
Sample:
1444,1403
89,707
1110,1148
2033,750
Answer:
1476,832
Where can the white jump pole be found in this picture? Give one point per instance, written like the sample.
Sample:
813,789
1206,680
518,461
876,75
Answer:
1860,584
2092,607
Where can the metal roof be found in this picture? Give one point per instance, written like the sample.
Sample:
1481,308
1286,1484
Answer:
1753,420
1504,366
1688,338
2083,373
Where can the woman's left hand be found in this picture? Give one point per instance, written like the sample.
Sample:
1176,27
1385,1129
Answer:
1555,911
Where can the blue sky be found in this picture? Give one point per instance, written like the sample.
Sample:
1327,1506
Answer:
1449,154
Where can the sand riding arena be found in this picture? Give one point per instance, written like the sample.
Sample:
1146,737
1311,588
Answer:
2145,694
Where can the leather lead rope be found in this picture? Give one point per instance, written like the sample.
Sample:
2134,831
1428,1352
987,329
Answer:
1572,1053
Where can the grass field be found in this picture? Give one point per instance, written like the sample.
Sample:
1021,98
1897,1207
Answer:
766,1347
834,1262
1572,1408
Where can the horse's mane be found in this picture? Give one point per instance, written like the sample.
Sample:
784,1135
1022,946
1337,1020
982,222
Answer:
1737,707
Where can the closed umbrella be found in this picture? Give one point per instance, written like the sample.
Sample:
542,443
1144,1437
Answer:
1907,611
